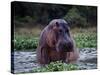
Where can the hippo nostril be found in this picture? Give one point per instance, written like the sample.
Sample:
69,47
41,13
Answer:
69,45
65,46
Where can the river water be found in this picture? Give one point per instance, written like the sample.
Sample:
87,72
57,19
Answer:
24,62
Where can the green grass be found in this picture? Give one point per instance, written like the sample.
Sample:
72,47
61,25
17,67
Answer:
29,40
56,66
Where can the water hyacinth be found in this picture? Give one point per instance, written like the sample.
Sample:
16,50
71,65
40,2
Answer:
21,43
81,39
56,66
88,40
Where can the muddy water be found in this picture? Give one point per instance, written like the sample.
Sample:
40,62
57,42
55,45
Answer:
24,62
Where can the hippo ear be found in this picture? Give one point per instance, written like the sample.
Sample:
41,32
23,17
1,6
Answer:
69,23
57,24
